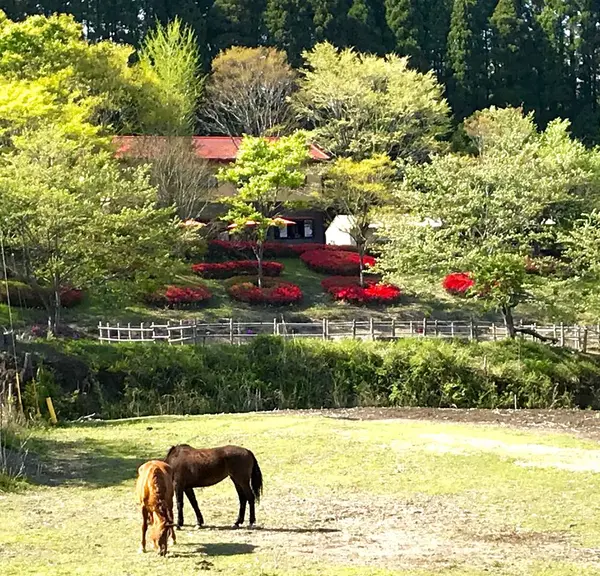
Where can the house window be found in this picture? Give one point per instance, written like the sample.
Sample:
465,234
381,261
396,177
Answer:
283,231
308,228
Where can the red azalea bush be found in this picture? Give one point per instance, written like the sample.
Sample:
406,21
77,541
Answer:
231,268
339,262
349,290
174,296
70,297
458,283
274,292
219,250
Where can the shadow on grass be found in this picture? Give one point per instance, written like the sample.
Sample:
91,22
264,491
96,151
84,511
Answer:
213,549
89,462
273,530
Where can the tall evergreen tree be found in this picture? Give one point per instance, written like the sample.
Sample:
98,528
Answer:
468,56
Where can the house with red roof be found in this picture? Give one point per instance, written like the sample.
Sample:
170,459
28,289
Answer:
305,225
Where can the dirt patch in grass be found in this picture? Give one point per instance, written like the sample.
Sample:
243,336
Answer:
583,423
432,533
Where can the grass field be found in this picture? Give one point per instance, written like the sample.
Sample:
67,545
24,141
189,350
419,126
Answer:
342,497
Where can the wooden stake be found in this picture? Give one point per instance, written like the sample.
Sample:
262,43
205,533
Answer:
53,418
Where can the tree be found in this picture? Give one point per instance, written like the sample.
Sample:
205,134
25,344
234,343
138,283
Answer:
235,23
182,179
265,171
468,56
170,57
248,93
494,208
356,188
73,217
358,105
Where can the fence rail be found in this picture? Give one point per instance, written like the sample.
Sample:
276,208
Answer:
583,338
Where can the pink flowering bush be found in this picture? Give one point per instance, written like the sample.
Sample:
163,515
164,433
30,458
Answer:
179,296
349,290
339,262
273,292
458,283
229,250
231,268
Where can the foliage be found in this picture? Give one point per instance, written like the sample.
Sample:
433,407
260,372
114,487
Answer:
270,373
68,208
340,262
273,292
350,289
355,189
358,105
493,207
170,57
248,93
458,283
182,179
235,268
263,173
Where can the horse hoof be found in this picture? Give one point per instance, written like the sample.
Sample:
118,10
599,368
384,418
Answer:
179,526
236,526
199,526
141,550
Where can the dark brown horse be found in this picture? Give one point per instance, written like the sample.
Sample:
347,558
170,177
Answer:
193,468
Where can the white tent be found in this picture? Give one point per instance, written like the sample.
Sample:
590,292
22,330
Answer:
338,232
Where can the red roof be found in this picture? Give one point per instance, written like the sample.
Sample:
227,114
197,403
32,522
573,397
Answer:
215,148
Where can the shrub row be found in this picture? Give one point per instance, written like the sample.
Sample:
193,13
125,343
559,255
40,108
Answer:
179,296
219,250
220,270
348,289
270,373
340,262
23,295
273,292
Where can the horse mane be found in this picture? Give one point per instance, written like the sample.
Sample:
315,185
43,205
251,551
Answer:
174,449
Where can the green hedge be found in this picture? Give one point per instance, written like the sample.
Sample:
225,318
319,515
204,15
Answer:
270,373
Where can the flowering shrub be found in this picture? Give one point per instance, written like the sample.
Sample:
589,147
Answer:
219,250
349,290
235,268
340,262
274,292
70,297
175,296
458,283
22,294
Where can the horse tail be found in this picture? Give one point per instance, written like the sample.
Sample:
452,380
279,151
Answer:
256,479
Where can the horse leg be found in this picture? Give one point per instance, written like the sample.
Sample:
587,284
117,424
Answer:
189,492
144,528
243,500
251,501
179,498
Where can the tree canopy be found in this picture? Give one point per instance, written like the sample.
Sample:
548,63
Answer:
494,209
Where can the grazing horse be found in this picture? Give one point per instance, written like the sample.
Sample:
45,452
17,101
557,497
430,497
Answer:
154,489
194,468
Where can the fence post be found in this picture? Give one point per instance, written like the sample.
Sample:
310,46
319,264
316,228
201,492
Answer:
372,328
435,328
142,335
231,330
424,327
195,331
411,328
354,329
129,331
153,331
554,332
578,337
562,334
452,328
100,331
393,328
118,331
585,338
274,326
471,330
169,332
494,335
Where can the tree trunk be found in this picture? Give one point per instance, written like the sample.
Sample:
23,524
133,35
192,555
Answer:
361,264
509,321
260,249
